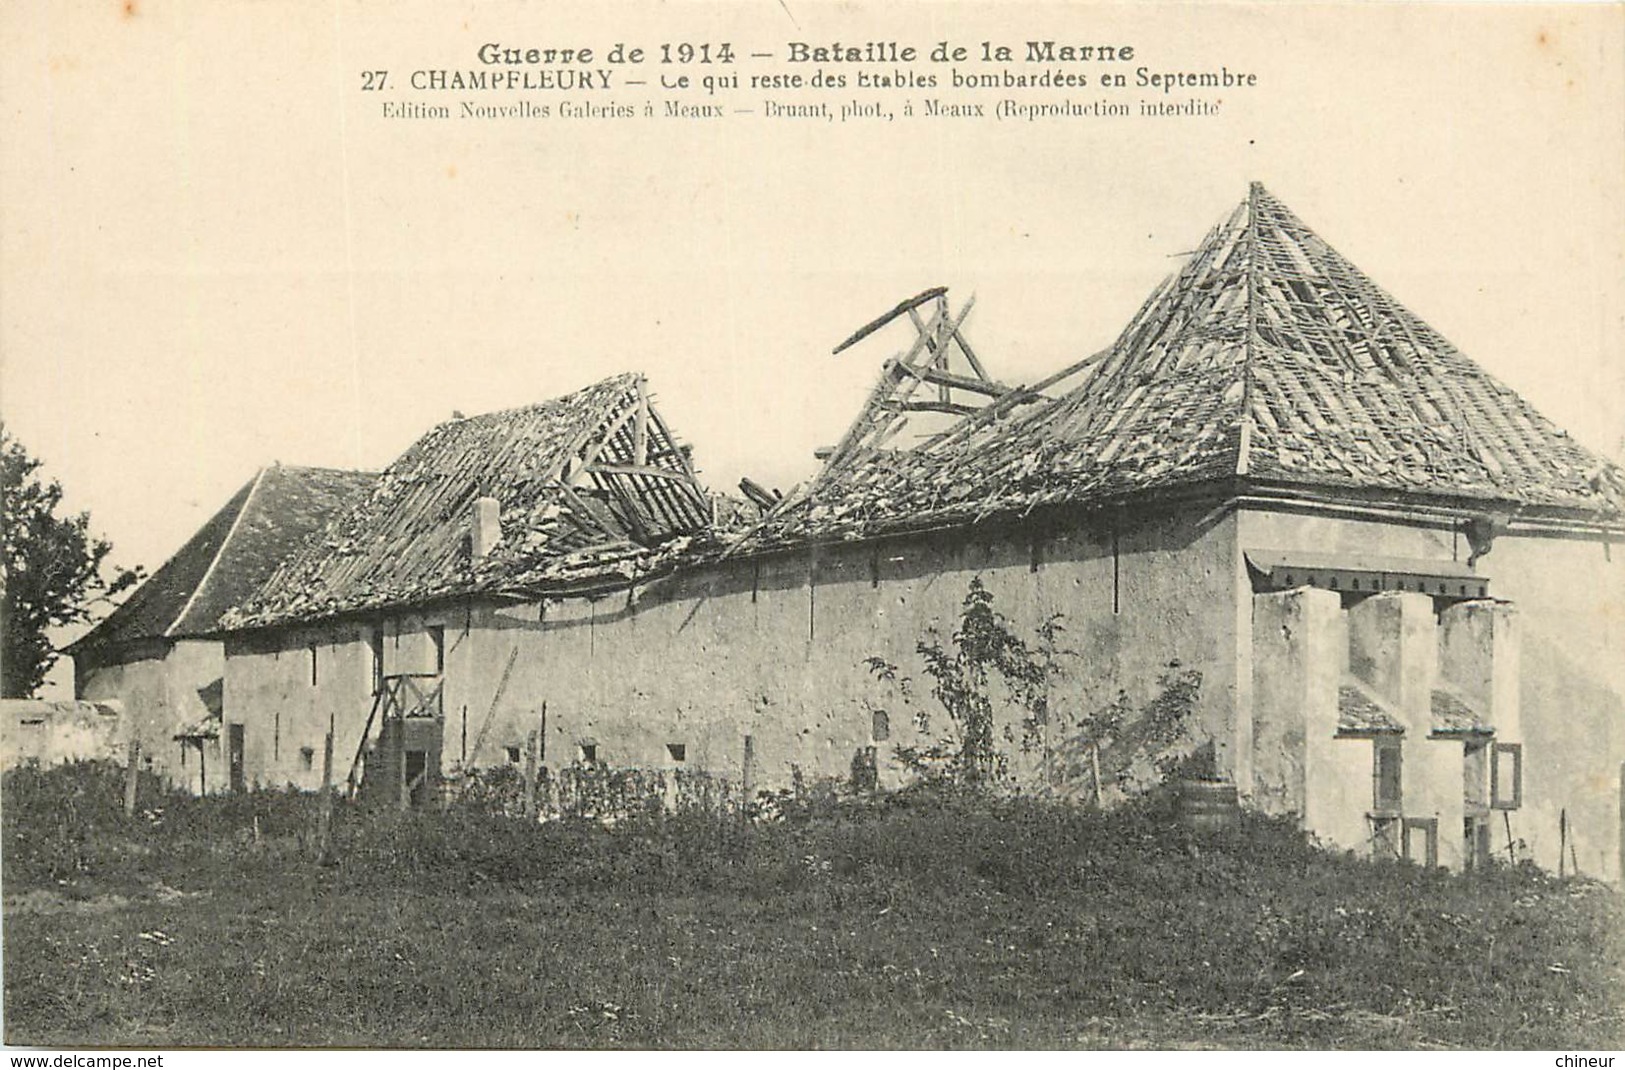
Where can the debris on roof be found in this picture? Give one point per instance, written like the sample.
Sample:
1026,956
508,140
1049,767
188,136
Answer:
1454,715
263,524
206,727
587,487
1267,358
940,360
1359,712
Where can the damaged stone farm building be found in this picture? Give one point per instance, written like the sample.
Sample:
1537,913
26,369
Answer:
162,652
1392,577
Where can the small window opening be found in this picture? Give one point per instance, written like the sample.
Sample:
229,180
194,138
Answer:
880,729
678,751
307,758
375,642
1387,796
513,755
1421,840
1476,829
589,752
1475,777
437,636
1506,776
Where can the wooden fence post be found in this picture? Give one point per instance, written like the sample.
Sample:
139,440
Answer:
324,812
747,779
132,776
531,745
1562,839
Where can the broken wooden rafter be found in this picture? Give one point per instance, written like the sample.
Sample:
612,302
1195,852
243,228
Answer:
758,494
949,379
889,389
902,308
650,471
949,407
640,426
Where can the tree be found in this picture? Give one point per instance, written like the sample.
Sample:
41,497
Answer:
54,571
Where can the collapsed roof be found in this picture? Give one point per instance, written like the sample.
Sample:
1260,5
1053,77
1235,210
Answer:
230,556
1267,358
586,485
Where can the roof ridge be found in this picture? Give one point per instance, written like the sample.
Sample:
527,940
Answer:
626,379
219,552
323,468
1244,443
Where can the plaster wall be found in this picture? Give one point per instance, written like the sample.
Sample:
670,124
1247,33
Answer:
48,733
772,647
163,686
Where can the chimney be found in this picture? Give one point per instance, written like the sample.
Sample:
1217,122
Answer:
485,530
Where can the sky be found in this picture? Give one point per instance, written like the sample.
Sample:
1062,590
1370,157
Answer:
216,253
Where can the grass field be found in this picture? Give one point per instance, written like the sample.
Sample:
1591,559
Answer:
914,921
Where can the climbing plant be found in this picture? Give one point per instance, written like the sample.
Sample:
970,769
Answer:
982,651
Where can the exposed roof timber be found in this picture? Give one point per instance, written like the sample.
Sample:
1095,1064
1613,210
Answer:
943,378
880,321
1265,356
948,407
638,470
893,392
595,468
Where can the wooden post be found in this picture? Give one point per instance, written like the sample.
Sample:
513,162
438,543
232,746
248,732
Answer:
1562,839
324,812
1512,850
747,780
530,776
132,776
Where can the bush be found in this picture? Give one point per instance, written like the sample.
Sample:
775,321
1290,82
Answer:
864,909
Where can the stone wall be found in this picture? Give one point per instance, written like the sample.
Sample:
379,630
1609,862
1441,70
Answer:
770,647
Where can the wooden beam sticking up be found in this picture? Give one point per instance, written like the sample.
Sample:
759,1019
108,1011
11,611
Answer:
640,426
903,307
895,390
760,495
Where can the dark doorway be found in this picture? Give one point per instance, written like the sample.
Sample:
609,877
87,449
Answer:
234,757
417,776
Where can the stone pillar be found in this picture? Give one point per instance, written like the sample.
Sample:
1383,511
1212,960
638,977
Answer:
1478,657
1394,650
1299,765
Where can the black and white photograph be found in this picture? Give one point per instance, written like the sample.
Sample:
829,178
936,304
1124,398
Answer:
795,525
